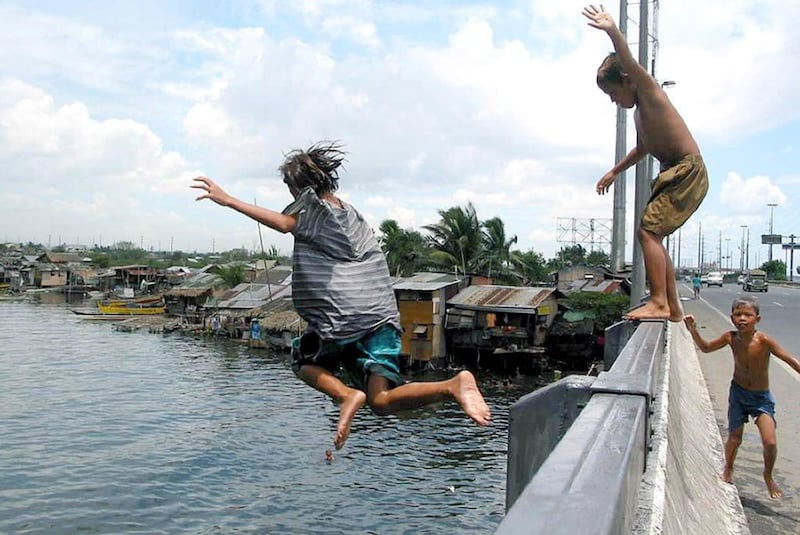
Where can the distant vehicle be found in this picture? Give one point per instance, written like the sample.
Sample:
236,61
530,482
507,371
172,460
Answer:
704,279
755,280
714,278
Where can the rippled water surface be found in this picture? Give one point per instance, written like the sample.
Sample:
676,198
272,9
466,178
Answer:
112,432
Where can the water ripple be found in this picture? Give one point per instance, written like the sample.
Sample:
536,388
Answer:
110,432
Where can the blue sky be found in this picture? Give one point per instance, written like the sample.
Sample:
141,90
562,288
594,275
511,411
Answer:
107,110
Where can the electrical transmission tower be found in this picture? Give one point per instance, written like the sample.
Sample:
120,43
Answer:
591,234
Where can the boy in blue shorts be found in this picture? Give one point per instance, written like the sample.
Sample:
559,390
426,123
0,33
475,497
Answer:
342,288
749,394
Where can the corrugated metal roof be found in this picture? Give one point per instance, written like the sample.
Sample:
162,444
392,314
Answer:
508,298
250,295
196,284
426,281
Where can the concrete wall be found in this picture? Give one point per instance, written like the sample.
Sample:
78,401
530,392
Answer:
681,491
606,473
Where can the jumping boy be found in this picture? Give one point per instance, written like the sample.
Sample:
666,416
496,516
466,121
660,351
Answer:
341,287
682,183
749,394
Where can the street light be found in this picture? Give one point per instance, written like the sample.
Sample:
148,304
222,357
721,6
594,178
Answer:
772,206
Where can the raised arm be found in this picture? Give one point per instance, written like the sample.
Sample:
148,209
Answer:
602,20
776,349
265,216
705,347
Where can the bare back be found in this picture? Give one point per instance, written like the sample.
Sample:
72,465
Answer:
661,130
751,360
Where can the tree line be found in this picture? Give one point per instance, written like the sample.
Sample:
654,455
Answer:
462,243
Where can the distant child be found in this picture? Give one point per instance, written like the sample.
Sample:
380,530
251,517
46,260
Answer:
696,283
749,394
342,288
682,183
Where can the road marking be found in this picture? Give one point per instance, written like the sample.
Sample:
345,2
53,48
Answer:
789,369
776,303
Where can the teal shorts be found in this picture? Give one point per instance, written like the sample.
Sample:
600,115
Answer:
377,352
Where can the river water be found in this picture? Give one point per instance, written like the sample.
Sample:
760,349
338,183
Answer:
111,432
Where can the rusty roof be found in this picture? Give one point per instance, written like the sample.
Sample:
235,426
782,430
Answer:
506,298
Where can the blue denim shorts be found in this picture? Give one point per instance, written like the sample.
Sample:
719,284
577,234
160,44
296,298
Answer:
743,403
377,352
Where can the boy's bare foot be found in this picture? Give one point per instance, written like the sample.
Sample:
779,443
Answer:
727,476
470,398
774,491
347,410
649,311
676,318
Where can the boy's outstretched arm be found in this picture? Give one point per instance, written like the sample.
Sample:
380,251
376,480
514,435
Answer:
636,154
705,347
600,19
265,216
776,349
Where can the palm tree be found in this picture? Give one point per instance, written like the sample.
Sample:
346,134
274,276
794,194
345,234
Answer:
405,250
457,240
531,266
497,252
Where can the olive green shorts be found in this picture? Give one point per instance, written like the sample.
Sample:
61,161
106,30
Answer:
676,193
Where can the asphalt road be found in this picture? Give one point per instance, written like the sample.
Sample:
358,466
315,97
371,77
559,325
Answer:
780,311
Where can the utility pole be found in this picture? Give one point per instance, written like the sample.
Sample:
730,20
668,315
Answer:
642,180
700,247
618,225
772,206
741,251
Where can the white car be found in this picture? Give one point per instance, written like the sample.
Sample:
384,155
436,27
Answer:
714,279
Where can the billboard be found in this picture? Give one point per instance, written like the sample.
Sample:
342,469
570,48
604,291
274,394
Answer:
771,239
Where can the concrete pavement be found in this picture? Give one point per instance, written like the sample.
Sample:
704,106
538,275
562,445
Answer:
764,515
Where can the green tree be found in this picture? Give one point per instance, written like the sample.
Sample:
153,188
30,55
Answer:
496,258
405,250
598,258
232,274
457,240
531,267
776,269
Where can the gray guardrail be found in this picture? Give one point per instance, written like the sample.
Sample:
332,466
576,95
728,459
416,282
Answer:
578,447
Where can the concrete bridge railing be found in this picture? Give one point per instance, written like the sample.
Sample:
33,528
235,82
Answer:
634,450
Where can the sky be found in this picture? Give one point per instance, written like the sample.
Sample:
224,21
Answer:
109,109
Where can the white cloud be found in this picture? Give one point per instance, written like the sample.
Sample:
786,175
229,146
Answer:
751,195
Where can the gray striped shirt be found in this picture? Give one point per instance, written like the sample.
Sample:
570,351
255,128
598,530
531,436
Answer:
340,280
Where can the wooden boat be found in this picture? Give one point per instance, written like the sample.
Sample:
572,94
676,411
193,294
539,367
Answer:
147,300
131,309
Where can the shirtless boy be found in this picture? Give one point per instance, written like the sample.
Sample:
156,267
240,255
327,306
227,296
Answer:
341,287
682,183
749,394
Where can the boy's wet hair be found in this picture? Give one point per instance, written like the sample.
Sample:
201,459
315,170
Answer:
746,301
315,167
610,71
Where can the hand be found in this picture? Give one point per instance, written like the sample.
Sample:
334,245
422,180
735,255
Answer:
688,320
598,18
212,191
604,183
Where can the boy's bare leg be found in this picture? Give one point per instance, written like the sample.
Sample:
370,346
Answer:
655,265
673,299
731,448
766,426
462,388
349,399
